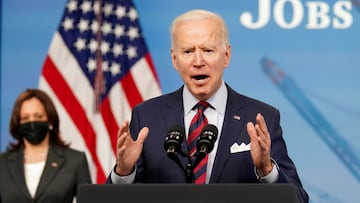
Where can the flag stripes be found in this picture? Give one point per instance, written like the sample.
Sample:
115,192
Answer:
68,76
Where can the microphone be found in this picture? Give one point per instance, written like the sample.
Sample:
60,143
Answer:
173,146
206,140
205,143
173,140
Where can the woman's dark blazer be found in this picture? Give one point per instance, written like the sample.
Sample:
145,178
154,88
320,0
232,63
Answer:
64,170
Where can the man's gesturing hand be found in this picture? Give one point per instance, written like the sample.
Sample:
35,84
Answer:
128,150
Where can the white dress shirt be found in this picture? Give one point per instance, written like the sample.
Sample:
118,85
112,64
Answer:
214,114
33,173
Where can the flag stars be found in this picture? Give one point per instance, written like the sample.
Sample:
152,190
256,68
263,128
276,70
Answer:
86,7
119,31
133,33
71,6
132,14
80,44
118,50
131,52
94,26
93,45
83,25
91,65
104,47
96,7
106,28
120,12
105,66
115,69
68,24
108,9
116,27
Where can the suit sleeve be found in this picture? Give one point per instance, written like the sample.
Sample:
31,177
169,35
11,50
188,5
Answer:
287,169
83,174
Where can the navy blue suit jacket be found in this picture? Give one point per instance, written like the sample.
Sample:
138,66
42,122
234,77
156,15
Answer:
161,113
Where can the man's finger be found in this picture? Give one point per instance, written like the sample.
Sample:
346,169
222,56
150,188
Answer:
143,134
261,121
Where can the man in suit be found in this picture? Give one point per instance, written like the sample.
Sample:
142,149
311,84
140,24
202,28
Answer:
249,148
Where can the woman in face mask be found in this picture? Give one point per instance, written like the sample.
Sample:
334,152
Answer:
39,167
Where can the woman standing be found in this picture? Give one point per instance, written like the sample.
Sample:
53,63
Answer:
39,167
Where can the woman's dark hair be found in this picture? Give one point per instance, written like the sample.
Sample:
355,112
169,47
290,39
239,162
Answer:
50,110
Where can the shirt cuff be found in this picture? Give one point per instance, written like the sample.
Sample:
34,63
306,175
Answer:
272,177
116,179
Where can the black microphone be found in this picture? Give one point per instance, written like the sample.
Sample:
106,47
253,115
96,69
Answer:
173,140
206,140
205,143
173,147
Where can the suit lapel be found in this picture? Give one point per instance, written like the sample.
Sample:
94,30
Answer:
54,162
174,115
16,170
234,122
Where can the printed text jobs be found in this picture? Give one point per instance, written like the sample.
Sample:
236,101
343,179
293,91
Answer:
320,14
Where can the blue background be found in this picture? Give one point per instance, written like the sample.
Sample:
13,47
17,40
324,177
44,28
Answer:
324,63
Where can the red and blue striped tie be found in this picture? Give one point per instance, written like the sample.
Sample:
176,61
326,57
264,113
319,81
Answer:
197,124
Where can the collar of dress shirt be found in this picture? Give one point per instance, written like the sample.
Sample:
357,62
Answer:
217,101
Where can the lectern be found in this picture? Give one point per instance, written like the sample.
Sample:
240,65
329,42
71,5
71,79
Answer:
187,193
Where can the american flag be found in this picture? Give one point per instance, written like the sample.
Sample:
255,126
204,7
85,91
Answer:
97,69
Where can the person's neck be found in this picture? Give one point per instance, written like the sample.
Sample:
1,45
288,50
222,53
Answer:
36,153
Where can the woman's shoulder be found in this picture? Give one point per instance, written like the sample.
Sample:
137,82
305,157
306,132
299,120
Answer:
8,154
68,151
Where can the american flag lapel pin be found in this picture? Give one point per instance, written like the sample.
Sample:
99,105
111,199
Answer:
54,164
236,117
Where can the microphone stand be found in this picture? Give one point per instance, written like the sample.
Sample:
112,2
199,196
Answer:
190,166
189,173
188,169
204,146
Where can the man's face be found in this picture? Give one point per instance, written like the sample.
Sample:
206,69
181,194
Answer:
200,56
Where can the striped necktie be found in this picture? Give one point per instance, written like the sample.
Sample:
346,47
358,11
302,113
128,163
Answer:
197,124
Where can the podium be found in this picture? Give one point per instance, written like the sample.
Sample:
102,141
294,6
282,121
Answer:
187,193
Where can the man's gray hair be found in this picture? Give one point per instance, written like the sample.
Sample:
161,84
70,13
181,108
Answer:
199,15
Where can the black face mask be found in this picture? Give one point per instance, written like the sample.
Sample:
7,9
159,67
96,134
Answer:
34,132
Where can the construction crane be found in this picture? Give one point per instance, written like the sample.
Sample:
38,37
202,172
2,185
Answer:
343,150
